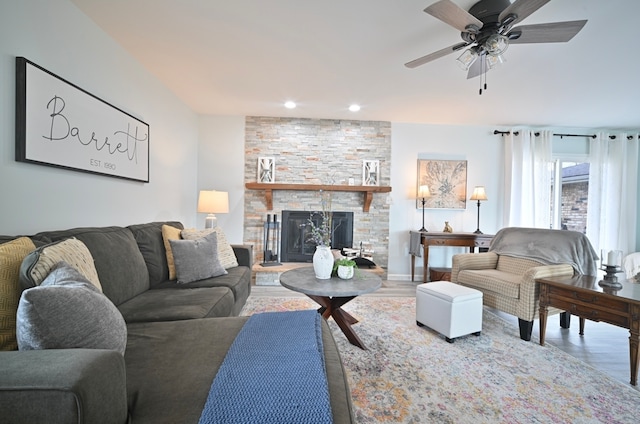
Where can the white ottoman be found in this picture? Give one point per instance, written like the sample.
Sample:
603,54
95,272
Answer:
448,308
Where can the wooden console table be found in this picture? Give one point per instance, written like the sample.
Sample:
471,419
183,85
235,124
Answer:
470,240
581,295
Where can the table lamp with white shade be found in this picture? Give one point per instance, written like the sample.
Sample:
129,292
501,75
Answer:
212,202
478,194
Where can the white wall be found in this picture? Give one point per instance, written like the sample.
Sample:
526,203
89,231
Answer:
221,167
57,36
484,155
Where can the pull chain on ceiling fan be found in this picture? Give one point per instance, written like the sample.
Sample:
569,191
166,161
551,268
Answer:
487,30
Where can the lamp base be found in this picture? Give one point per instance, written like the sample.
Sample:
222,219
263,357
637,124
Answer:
423,230
210,221
478,231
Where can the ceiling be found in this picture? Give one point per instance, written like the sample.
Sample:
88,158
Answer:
247,57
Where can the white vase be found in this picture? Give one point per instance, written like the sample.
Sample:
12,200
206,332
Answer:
323,262
345,272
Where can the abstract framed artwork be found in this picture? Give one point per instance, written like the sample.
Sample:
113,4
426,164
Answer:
370,172
266,170
447,181
61,125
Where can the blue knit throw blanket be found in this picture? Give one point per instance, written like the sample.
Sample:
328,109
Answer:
274,372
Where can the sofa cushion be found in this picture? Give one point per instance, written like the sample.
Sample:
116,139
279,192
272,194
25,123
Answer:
173,305
196,259
188,354
170,233
39,263
515,265
121,268
11,255
151,245
67,311
226,254
238,280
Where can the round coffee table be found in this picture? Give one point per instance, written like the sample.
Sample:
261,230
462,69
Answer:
332,294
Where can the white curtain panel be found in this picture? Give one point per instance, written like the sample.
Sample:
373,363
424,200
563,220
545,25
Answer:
613,191
528,165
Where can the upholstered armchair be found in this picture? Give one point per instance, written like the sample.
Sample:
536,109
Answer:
507,273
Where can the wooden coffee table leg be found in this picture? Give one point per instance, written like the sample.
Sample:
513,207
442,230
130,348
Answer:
333,307
342,319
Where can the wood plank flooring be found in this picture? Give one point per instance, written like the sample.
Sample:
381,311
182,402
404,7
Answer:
604,347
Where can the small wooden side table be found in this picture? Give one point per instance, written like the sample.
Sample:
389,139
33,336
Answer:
581,295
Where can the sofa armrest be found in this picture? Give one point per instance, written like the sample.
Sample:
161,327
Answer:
462,261
545,271
244,254
530,289
63,386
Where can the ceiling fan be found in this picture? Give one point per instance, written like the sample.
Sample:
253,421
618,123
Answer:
487,30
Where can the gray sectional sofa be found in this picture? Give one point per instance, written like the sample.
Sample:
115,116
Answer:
177,338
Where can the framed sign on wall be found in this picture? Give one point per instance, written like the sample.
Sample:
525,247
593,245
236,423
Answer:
59,124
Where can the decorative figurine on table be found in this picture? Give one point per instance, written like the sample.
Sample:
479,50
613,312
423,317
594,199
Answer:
447,227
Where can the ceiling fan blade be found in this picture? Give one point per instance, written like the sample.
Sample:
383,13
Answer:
435,55
450,13
522,9
554,32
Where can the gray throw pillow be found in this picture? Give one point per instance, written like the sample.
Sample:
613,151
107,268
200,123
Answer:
66,311
196,259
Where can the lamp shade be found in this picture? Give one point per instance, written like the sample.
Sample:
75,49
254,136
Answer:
478,194
211,201
423,191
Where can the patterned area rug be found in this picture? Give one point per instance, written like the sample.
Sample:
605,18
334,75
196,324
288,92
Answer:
410,374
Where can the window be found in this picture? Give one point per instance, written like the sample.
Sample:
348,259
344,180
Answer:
569,198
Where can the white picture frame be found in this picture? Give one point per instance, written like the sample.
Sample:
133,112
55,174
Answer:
266,170
370,172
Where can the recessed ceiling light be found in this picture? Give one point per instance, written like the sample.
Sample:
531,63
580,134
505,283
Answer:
354,108
290,105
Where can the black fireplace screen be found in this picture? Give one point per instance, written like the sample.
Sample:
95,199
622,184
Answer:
295,244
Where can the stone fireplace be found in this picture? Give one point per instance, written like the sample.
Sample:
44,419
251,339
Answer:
294,240
318,152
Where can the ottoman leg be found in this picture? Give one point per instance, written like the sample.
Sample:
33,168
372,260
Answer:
449,340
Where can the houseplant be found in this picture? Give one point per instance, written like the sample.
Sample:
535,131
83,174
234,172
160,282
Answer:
345,268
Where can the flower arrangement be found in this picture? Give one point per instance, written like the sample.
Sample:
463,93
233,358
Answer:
321,233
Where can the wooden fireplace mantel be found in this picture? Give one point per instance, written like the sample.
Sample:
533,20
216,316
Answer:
366,190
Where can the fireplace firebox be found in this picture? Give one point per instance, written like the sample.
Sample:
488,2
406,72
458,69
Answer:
295,245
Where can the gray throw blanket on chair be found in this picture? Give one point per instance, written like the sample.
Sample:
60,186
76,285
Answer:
548,247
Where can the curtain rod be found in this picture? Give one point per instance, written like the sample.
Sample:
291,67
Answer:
612,137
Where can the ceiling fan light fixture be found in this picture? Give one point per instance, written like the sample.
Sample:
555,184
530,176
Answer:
493,61
496,44
466,59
